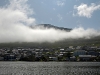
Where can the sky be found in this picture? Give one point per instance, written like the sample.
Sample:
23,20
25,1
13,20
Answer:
65,13
16,17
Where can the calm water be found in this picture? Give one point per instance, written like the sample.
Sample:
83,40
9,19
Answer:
49,68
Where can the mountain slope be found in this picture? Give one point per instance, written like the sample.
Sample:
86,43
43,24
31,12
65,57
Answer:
48,26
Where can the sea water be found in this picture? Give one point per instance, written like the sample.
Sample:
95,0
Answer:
49,68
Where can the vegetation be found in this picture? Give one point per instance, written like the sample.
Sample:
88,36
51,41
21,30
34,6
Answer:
70,42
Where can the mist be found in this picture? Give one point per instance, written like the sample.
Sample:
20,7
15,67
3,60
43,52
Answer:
15,22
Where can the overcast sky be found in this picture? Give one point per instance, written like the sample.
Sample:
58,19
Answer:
65,13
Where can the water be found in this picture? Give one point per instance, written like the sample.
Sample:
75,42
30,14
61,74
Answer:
49,68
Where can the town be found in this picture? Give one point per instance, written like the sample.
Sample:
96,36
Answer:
70,53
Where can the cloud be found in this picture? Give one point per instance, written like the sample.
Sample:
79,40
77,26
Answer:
54,9
77,0
61,2
59,17
15,22
18,11
42,2
85,10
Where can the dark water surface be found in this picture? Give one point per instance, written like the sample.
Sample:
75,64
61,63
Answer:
49,68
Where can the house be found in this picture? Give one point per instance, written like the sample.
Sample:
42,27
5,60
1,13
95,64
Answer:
87,58
98,49
71,47
78,47
73,58
9,57
51,58
92,49
94,53
1,58
79,52
62,49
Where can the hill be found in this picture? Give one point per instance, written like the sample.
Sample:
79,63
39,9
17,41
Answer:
48,26
71,42
68,42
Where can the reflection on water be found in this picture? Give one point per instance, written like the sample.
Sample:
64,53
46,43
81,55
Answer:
49,68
